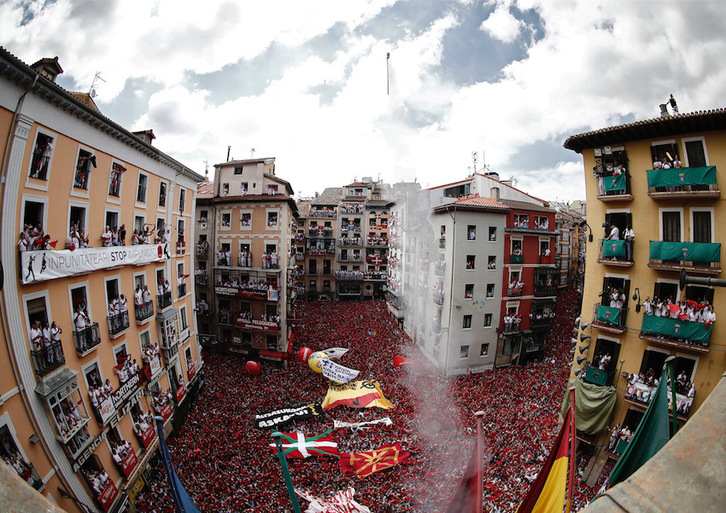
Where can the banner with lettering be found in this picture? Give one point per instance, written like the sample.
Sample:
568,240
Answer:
336,372
51,264
278,418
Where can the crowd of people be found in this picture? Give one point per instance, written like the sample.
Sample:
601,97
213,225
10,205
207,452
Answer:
685,310
226,465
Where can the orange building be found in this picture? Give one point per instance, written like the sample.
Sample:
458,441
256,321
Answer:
97,320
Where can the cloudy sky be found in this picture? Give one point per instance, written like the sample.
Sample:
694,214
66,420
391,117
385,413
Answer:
308,82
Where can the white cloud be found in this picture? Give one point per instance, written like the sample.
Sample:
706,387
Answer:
502,25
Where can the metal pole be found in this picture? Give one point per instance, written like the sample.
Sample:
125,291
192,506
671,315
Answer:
573,462
285,471
479,464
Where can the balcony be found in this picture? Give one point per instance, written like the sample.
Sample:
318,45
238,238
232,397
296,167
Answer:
615,188
540,320
48,358
117,323
313,232
320,251
202,250
546,281
200,279
614,253
688,336
640,394
515,290
223,261
697,257
610,319
376,276
226,318
442,243
350,241
324,212
163,300
438,298
87,339
144,311
516,258
511,325
349,258
685,182
349,275
182,290
377,241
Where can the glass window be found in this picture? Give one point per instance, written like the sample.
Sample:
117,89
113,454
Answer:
141,189
487,320
464,352
467,322
672,226
114,180
471,232
470,261
484,350
85,162
162,195
42,154
492,233
469,291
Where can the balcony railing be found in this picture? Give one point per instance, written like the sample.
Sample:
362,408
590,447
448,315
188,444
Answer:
313,232
144,311
349,275
442,243
163,300
226,318
87,339
182,290
117,323
320,251
349,258
683,182
438,298
200,279
314,212
350,241
608,317
48,358
676,333
202,250
515,290
512,326
542,321
642,394
615,252
696,256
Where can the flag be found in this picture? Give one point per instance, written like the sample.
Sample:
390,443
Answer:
651,434
356,394
278,418
363,464
342,502
338,424
467,498
336,372
401,360
182,501
335,352
547,493
297,445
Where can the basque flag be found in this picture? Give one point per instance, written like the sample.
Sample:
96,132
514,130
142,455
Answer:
297,445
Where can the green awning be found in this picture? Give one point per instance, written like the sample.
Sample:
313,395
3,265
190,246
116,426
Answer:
682,176
594,405
613,248
608,314
517,259
685,251
614,183
676,328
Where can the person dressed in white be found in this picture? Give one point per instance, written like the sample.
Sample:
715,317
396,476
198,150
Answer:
107,236
614,233
629,236
146,294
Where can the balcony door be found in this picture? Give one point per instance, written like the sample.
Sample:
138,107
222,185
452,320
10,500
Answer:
695,153
671,222
701,226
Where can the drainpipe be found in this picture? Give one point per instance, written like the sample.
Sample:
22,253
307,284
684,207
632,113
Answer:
451,292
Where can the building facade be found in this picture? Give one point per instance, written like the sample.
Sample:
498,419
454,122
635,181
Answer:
98,321
659,178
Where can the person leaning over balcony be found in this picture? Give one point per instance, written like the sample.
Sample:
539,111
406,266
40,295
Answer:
629,236
49,357
79,321
138,300
55,333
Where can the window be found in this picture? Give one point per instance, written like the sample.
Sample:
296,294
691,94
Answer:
467,322
464,352
182,199
42,155
521,221
487,320
272,219
226,219
492,233
78,218
112,219
695,153
141,188
458,191
542,222
84,163
225,189
468,291
243,188
271,341
162,194
470,262
34,214
238,170
471,232
701,226
490,290
491,262
443,231
484,350
516,247
114,180
246,220
671,226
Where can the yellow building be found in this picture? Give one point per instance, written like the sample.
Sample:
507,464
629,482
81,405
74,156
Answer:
254,224
89,355
659,178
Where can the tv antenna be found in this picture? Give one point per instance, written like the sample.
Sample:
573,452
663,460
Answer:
92,92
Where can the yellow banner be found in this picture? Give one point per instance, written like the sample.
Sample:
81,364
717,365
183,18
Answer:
356,394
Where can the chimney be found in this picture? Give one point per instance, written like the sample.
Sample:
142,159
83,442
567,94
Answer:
48,68
145,135
494,193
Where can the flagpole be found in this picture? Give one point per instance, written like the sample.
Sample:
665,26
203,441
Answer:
573,435
479,465
285,471
671,370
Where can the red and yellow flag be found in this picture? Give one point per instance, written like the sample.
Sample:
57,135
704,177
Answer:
547,493
356,394
363,464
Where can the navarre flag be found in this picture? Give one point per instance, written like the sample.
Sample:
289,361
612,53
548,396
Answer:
342,502
401,360
650,436
547,493
363,464
297,445
356,394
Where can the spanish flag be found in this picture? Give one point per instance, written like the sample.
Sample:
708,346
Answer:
547,493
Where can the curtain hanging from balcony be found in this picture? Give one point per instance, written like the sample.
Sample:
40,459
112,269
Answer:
675,328
685,251
613,248
608,314
615,183
681,176
594,405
